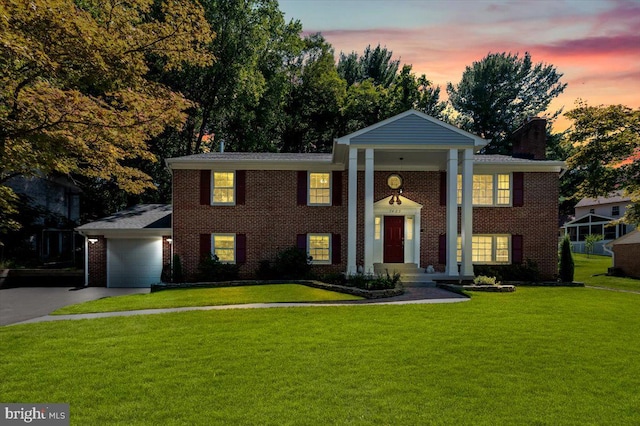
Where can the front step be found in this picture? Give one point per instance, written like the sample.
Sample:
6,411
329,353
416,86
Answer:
392,268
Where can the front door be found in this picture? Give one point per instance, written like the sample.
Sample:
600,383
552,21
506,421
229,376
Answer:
394,239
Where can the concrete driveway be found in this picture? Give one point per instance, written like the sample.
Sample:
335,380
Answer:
21,304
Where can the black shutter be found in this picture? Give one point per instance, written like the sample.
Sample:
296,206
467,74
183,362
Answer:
205,187
442,249
443,188
301,242
518,189
336,250
516,249
241,248
205,246
337,188
241,179
302,188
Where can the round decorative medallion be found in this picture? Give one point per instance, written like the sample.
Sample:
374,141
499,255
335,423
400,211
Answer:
394,181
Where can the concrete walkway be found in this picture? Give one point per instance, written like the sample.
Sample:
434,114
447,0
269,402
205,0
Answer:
413,295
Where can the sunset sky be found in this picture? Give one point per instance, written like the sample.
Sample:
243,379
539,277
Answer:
594,43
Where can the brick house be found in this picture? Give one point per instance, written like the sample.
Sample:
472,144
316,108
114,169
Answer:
408,193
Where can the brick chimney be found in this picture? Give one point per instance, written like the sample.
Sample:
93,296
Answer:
530,139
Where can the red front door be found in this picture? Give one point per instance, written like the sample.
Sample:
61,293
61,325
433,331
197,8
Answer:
394,239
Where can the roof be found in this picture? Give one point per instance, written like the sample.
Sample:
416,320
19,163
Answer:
632,237
145,218
253,160
613,198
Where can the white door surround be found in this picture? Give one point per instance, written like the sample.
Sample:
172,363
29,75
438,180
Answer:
410,210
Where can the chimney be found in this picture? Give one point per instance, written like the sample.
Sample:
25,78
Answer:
530,139
221,146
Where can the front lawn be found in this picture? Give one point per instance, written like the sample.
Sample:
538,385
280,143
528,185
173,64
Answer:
546,356
591,270
207,297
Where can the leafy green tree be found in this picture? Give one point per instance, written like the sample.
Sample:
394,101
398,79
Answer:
74,93
375,64
606,152
497,93
590,243
315,101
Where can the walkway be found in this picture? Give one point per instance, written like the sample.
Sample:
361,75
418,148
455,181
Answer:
413,295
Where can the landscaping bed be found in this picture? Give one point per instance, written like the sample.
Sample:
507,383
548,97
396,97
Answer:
354,291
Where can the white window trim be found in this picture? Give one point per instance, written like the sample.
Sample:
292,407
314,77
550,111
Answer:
494,202
309,203
320,262
213,187
494,248
235,249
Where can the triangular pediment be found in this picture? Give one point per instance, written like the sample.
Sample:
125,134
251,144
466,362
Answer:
415,129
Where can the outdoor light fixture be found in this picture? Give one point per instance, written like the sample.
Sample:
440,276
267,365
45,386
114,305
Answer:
93,240
169,240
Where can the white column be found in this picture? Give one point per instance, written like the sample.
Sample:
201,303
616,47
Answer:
416,238
86,261
369,225
467,213
352,220
452,213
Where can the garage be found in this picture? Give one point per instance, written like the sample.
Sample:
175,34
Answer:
134,262
128,248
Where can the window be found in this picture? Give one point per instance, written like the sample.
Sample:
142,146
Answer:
319,189
224,246
488,249
319,248
409,231
378,227
489,190
223,187
615,211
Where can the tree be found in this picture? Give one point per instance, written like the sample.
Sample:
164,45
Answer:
606,152
74,97
375,64
317,94
590,242
567,267
497,93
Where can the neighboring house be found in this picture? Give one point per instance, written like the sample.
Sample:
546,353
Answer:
626,254
55,201
596,216
403,194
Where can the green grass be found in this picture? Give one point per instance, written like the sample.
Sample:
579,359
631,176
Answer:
539,356
590,270
207,297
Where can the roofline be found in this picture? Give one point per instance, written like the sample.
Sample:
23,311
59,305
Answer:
222,164
124,233
478,142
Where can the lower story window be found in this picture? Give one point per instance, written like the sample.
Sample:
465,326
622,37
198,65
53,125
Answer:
488,249
224,247
319,248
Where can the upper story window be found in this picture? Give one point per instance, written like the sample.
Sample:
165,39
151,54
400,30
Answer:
223,188
489,190
615,211
319,189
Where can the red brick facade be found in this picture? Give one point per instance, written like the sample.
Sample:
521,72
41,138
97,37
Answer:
271,218
97,262
626,258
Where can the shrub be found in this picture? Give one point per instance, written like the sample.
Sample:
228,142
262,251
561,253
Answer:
212,269
484,280
567,266
371,282
292,263
265,271
590,243
337,278
527,271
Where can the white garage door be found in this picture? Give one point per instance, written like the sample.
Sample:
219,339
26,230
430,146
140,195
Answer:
134,262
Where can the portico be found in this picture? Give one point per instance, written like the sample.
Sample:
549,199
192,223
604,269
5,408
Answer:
409,142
